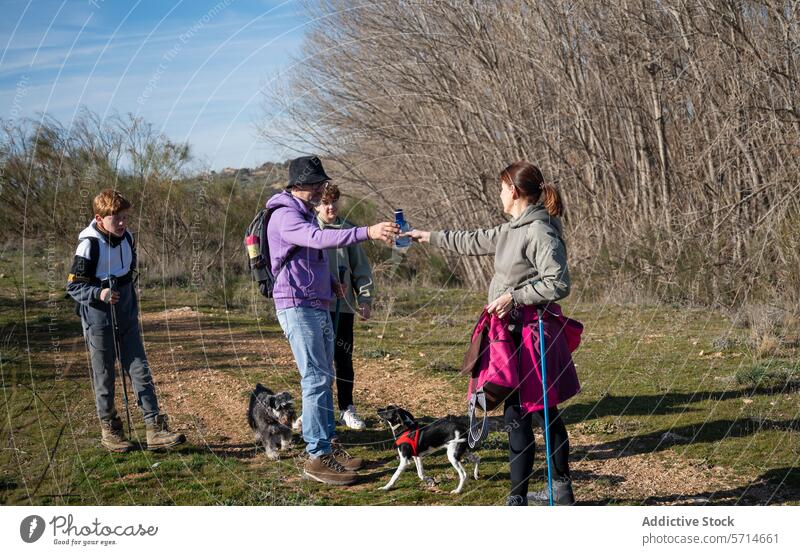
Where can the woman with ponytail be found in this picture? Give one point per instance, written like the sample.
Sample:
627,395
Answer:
531,272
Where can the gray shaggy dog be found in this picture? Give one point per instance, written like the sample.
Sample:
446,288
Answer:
270,416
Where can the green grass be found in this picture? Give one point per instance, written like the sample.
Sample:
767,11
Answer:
641,369
777,375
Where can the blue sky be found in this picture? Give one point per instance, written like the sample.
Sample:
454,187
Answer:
192,68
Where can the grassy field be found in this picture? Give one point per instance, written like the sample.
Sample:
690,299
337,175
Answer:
676,407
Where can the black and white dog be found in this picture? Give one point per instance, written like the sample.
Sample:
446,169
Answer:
270,416
413,442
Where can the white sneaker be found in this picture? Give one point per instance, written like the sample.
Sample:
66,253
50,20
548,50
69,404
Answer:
352,420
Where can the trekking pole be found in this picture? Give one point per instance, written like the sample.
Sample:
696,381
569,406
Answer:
112,284
342,271
539,313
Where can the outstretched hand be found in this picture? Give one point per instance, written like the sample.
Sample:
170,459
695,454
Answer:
384,231
418,235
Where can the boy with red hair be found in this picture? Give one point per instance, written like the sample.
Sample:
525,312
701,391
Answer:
101,283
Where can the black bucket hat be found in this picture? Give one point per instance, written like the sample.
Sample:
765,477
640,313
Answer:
306,170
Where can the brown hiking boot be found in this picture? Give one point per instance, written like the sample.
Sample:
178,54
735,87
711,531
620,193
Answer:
348,461
159,436
328,470
114,437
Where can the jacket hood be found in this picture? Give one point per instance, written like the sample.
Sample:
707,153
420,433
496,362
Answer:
285,199
337,224
92,231
537,212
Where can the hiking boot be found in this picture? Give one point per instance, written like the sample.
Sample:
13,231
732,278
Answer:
328,470
114,437
351,419
562,494
345,459
516,501
159,436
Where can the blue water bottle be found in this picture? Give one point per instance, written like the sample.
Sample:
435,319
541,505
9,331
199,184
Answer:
401,243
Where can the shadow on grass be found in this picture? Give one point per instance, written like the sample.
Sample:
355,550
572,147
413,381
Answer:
239,451
651,405
707,432
776,486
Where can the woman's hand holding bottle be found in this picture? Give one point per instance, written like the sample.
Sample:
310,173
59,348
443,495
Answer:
418,236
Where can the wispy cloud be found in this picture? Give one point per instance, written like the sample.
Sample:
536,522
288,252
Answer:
201,72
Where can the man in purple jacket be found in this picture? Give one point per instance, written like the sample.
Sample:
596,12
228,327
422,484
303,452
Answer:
303,290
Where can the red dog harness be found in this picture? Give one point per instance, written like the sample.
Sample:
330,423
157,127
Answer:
411,438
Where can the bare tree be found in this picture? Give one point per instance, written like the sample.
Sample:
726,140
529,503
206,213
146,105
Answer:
672,128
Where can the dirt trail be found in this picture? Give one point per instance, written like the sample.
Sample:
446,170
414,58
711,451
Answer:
209,405
206,403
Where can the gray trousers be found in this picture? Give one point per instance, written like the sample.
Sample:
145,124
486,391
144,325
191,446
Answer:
100,341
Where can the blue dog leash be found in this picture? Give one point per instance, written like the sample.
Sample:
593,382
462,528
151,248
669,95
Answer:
546,410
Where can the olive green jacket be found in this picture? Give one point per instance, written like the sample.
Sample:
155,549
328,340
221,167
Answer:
530,257
358,273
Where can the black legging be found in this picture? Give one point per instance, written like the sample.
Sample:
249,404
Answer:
521,444
343,359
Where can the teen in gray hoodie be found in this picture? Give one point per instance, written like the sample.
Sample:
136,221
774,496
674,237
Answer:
358,293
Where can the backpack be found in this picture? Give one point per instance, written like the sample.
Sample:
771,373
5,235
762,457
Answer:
258,257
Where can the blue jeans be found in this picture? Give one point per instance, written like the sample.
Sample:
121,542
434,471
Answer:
310,334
